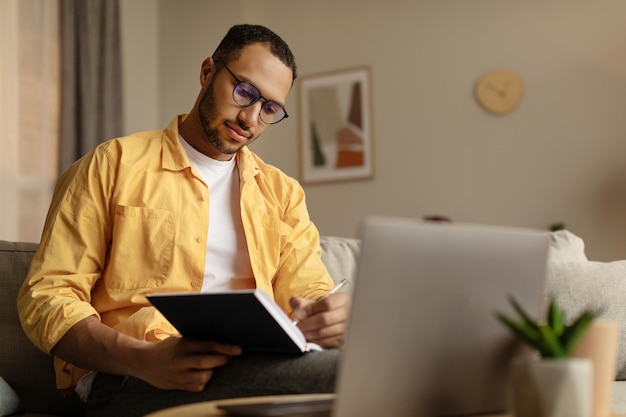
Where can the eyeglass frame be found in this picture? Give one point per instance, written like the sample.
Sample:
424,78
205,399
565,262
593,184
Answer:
265,100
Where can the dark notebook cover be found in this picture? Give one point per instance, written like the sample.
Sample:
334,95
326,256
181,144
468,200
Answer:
246,318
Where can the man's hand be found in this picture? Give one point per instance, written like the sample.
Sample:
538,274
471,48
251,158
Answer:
173,363
325,321
183,364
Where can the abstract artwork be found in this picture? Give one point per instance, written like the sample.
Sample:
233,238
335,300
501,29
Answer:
335,126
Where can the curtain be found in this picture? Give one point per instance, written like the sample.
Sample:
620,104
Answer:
91,109
60,95
29,114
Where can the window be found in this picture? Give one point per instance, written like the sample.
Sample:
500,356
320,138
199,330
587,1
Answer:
29,115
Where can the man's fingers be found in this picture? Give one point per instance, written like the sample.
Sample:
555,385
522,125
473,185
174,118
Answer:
329,337
185,364
337,301
303,308
206,346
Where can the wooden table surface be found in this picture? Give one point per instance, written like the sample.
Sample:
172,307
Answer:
210,408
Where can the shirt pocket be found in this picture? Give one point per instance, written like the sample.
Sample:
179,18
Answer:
277,231
142,248
276,245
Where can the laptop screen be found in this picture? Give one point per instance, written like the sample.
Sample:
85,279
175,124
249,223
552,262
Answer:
423,337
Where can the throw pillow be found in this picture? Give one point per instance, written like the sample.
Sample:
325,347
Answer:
9,401
565,246
340,255
594,285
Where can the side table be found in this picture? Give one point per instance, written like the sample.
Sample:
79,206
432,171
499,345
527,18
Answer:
210,408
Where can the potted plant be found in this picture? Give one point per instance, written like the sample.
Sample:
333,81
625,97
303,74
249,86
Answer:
555,385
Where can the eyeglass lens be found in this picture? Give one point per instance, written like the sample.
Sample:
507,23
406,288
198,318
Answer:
246,94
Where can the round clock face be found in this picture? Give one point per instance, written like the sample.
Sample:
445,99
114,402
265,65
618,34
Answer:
499,91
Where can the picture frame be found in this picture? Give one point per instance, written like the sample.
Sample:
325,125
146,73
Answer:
336,136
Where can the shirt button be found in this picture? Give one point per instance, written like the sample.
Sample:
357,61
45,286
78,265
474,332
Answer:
203,198
194,283
198,240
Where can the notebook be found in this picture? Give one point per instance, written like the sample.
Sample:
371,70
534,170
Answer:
246,318
423,339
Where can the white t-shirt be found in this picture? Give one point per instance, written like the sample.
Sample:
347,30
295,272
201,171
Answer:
227,265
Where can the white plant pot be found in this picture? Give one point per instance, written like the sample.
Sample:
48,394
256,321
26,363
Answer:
553,387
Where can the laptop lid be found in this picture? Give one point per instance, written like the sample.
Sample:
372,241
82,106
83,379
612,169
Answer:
423,337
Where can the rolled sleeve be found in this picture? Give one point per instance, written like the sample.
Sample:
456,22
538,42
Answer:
56,293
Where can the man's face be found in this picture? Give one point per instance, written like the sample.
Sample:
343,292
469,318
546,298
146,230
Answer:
228,126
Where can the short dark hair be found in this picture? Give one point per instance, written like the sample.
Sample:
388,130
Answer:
240,36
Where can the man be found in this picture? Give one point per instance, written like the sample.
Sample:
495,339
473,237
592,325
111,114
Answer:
188,208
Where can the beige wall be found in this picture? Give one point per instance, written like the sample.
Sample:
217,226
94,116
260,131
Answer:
140,57
559,157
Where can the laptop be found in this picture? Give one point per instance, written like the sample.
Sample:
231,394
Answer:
423,339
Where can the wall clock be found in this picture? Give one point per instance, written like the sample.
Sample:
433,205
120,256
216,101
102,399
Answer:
499,91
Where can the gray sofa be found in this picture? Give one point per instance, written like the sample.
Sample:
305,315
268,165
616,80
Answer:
27,378
26,370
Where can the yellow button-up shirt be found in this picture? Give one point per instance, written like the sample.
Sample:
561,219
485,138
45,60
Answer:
130,218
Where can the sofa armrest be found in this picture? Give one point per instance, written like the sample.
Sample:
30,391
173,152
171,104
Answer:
9,401
24,367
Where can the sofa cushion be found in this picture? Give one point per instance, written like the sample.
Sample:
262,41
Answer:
565,246
24,367
340,256
581,285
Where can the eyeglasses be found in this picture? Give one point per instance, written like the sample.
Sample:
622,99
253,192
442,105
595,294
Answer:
246,94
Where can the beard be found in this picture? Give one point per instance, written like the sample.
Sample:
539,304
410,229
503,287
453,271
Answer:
209,116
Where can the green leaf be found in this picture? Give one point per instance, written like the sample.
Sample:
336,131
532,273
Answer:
528,321
555,318
527,334
554,338
575,332
552,346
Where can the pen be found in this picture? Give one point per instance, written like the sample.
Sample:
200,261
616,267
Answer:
336,288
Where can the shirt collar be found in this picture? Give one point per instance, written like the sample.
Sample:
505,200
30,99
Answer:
174,157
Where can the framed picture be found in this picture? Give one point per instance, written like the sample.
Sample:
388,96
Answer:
335,126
